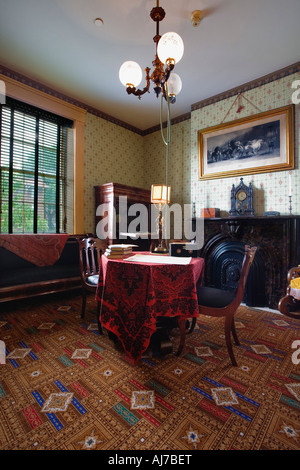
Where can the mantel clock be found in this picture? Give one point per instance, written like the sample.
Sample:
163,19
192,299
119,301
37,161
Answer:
241,200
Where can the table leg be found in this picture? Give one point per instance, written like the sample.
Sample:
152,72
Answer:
181,325
160,342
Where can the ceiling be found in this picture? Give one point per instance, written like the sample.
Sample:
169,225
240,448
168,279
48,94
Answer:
57,43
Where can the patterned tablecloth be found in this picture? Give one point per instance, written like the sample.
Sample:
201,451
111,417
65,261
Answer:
134,294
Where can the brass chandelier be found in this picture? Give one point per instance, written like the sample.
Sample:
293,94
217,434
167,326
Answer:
169,51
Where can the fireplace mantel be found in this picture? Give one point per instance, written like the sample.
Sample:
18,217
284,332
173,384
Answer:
277,239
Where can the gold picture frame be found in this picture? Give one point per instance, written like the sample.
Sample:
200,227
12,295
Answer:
259,143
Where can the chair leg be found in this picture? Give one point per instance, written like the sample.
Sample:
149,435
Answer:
181,324
192,326
234,334
228,325
98,319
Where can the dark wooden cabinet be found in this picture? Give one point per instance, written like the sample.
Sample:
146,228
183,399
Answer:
119,213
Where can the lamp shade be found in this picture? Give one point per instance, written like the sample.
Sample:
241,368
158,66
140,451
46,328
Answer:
174,84
160,194
170,48
130,74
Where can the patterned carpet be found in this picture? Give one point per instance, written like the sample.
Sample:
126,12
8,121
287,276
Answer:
65,387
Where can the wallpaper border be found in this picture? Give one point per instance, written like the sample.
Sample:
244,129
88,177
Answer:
200,104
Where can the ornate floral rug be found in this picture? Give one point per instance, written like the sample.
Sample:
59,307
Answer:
65,387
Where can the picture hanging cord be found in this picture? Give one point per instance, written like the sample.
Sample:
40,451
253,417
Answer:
238,97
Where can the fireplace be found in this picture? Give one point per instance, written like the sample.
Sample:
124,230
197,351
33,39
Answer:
223,268
278,242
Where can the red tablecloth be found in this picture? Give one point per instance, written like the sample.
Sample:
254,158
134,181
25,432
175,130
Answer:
41,250
133,294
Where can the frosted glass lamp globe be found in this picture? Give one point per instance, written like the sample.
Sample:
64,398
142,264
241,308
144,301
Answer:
130,74
170,48
174,84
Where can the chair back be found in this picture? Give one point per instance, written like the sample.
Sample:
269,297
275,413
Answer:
293,273
90,252
247,261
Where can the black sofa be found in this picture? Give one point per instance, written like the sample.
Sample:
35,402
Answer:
20,278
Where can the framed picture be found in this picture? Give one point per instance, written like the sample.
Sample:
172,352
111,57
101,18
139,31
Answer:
256,144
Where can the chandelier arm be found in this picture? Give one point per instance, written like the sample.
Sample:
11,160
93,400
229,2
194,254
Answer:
137,92
167,73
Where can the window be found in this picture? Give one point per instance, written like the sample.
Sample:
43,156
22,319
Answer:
33,165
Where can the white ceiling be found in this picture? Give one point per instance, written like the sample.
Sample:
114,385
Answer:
57,43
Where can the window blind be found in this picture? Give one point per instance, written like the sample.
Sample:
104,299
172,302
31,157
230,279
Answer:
33,165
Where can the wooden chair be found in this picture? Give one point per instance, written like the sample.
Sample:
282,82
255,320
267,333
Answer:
90,252
289,305
222,303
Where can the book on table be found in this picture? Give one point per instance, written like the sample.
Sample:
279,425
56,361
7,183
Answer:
118,251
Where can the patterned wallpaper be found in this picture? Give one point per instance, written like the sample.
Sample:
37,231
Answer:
270,190
114,154
178,160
